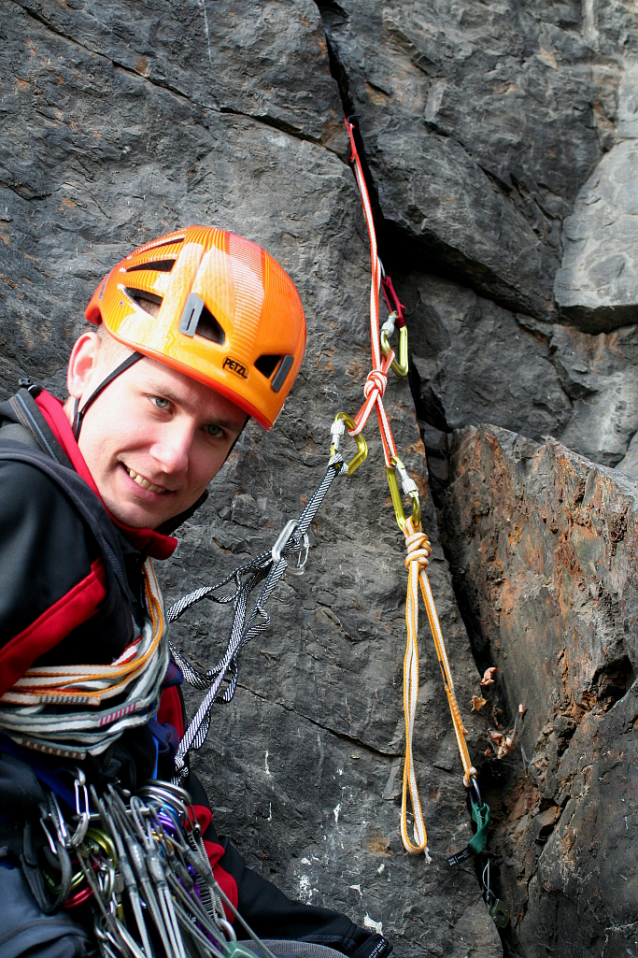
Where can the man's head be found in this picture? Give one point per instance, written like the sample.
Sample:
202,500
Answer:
202,329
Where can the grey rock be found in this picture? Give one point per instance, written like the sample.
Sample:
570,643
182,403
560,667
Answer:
478,131
97,157
629,463
597,284
474,361
543,552
246,59
598,373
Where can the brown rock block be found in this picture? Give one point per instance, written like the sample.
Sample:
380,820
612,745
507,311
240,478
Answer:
543,549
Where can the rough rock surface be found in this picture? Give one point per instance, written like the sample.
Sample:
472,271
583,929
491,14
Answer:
544,557
478,130
597,284
116,128
474,361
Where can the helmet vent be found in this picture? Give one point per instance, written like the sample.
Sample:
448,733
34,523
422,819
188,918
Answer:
267,364
209,328
149,302
161,265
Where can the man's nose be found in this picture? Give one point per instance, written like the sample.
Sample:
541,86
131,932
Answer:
172,446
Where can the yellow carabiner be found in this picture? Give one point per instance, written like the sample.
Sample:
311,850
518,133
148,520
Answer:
362,445
409,487
400,365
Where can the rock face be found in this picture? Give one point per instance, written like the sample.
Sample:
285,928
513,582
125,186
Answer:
474,361
544,552
116,129
499,142
477,127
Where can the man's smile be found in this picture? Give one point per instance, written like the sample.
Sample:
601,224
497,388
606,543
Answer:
144,483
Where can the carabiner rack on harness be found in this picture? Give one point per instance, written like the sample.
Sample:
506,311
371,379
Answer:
142,872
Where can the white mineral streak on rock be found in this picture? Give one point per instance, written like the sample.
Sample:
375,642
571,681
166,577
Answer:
373,925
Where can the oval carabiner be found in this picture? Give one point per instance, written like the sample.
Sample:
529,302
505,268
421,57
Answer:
409,488
400,364
338,428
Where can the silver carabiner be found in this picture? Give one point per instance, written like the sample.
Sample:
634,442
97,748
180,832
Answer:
282,540
281,543
83,814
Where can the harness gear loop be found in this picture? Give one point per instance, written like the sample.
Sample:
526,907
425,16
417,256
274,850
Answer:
409,488
337,430
399,366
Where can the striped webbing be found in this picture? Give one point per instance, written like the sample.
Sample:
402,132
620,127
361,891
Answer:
57,709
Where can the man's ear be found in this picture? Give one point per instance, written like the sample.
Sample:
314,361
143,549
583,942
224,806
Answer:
82,364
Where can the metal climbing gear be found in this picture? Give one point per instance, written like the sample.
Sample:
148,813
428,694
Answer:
142,870
337,430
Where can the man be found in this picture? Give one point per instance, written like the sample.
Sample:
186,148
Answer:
192,334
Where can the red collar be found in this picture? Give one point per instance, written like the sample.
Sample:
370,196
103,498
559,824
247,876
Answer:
146,541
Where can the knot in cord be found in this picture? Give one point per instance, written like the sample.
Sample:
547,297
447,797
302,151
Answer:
418,546
376,381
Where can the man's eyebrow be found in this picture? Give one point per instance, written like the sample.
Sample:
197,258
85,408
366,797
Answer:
167,393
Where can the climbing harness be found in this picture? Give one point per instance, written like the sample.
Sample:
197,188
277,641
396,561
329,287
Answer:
139,865
31,713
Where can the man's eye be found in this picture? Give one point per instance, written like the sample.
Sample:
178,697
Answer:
160,402
213,430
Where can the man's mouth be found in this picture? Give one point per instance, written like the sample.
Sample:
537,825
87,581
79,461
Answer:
141,481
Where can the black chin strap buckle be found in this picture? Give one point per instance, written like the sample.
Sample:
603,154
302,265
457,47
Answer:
34,388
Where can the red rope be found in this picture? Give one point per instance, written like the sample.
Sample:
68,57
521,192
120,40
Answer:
377,379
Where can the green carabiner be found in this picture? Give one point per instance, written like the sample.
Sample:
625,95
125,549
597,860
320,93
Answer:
412,491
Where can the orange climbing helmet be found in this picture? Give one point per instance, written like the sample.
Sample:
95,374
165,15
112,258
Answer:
215,307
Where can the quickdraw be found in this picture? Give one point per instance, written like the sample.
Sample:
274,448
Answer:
416,562
139,864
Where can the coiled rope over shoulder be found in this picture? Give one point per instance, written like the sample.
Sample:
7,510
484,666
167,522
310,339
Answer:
67,719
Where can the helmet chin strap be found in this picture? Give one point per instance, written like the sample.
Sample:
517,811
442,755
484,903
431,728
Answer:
79,414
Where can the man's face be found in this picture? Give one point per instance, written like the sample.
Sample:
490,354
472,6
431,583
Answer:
153,439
